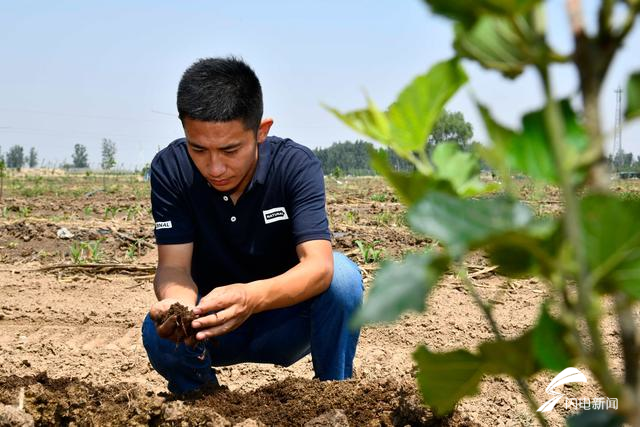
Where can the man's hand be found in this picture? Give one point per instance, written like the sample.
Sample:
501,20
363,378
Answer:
169,328
223,310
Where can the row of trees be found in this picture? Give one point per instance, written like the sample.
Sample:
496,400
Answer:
80,158
624,162
15,158
353,157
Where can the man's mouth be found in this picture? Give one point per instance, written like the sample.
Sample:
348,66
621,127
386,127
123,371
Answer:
220,182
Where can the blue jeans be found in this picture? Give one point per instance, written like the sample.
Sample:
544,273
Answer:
319,326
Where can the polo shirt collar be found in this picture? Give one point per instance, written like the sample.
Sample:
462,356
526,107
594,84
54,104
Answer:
262,168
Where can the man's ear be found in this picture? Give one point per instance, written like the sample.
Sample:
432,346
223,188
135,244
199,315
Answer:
263,130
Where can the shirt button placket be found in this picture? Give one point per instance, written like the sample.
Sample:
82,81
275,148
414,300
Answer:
226,199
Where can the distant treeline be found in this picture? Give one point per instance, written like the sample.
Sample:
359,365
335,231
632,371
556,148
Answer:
352,158
623,162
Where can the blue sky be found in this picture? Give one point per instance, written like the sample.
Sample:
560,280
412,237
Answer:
74,72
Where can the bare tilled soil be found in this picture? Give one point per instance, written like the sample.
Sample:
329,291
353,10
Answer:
70,319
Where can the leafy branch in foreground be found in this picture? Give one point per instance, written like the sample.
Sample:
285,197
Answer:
590,251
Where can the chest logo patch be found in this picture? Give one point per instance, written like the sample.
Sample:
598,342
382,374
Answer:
163,224
275,214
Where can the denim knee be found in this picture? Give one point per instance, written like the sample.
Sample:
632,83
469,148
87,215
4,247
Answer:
346,287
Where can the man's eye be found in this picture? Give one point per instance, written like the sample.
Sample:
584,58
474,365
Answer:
197,150
231,151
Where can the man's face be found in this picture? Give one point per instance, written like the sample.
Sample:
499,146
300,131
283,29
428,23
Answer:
225,153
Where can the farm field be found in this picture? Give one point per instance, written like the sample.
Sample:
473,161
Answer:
76,268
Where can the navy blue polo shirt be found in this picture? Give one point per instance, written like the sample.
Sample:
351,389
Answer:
283,205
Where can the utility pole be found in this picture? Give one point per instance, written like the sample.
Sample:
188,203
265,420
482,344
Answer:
617,135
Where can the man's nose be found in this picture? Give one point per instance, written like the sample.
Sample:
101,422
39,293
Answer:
216,166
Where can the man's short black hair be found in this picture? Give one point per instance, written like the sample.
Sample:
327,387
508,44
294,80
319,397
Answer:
221,90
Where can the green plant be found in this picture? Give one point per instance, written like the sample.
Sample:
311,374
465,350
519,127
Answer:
3,167
76,252
24,211
133,249
133,212
368,251
94,251
82,252
351,217
590,250
87,210
111,212
379,197
384,218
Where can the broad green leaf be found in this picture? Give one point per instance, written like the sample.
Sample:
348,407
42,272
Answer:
460,168
468,12
456,172
399,287
530,151
502,138
499,134
420,104
512,256
541,347
411,186
532,252
595,418
504,44
548,343
633,97
612,242
513,357
445,378
407,124
371,122
463,224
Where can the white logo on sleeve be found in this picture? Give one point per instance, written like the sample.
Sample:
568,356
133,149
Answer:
163,224
275,214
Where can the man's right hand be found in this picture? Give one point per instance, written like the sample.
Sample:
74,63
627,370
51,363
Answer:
169,329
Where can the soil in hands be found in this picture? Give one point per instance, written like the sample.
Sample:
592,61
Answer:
184,317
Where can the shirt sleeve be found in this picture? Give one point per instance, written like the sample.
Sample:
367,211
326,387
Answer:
173,220
307,199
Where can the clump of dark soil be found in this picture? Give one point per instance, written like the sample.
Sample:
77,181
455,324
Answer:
292,402
184,317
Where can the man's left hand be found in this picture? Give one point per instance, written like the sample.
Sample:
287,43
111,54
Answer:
228,307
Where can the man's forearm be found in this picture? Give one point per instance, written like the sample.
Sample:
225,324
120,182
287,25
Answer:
176,283
303,281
